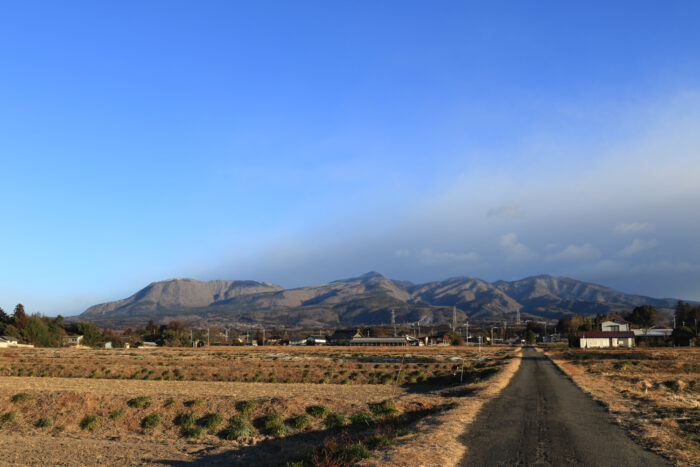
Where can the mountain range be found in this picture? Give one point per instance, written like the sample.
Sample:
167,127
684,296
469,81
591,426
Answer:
365,300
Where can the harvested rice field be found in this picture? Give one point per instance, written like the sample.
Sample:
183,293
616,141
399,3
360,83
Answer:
274,405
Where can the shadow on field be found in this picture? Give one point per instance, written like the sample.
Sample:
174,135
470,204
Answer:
269,452
324,445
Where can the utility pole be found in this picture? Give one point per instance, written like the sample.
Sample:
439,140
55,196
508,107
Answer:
517,321
393,320
263,342
491,335
191,341
467,333
454,318
207,336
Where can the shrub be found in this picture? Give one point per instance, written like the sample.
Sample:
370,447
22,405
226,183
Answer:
116,414
299,421
237,427
186,419
43,422
169,403
90,422
21,398
380,441
355,453
193,403
273,425
139,402
245,407
191,431
362,418
385,407
150,421
317,411
211,420
334,420
8,417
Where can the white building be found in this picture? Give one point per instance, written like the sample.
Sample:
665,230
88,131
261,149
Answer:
73,340
605,339
614,325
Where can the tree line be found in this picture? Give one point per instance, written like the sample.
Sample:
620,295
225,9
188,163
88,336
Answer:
43,331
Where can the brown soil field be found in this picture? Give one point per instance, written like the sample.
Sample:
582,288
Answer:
45,419
654,393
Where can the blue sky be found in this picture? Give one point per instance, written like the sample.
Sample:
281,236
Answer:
302,142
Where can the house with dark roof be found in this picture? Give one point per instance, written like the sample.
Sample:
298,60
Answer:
605,339
343,336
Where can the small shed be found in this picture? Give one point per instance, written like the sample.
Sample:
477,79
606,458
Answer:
8,341
72,341
316,340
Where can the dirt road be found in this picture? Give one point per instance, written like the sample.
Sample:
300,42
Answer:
542,418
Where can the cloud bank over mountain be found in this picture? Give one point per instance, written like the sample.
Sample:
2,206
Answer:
624,215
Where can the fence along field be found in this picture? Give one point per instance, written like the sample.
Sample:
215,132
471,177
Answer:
312,406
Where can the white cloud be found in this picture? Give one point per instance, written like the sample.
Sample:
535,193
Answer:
402,253
509,210
513,249
576,253
633,228
638,245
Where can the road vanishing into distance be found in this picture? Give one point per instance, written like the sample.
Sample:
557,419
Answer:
543,418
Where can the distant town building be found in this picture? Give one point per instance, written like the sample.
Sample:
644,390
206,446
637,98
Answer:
72,341
8,341
316,340
384,341
614,325
344,336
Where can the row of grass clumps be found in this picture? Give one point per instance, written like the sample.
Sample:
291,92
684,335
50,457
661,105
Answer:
272,424
379,428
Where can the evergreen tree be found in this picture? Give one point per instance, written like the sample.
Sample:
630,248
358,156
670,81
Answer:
19,318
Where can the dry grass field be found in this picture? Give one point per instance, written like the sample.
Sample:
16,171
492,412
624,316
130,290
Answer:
302,406
654,393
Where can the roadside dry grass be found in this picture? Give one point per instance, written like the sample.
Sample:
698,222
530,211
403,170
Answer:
653,393
84,421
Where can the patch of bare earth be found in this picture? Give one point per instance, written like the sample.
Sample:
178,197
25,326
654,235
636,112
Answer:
653,393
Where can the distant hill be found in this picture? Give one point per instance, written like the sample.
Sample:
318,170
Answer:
364,300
